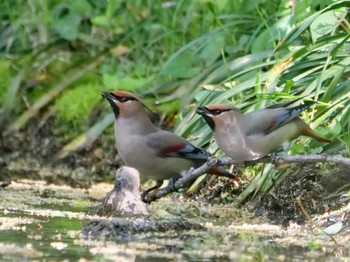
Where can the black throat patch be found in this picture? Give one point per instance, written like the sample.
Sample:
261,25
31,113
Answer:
115,108
209,121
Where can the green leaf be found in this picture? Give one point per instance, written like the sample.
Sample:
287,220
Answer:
67,26
323,25
249,5
81,7
278,31
212,50
100,20
297,31
336,127
297,148
6,76
220,4
288,86
185,65
90,39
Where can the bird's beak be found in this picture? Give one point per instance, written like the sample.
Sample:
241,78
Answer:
109,96
201,110
112,101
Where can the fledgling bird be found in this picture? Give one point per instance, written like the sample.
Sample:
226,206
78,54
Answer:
245,137
125,196
157,154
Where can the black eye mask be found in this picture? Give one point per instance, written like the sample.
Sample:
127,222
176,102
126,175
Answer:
124,99
204,111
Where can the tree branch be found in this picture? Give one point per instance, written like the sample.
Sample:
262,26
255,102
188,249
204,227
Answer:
193,174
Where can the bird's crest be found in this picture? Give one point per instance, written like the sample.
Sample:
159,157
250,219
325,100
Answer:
123,96
221,107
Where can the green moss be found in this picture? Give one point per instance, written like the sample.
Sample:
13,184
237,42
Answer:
113,82
74,107
76,104
5,76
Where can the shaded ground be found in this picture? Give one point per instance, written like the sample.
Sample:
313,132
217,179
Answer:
311,189
31,154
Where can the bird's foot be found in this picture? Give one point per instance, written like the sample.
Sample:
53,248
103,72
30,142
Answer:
148,198
273,158
171,184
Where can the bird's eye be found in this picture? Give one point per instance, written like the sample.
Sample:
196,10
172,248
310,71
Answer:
123,99
217,112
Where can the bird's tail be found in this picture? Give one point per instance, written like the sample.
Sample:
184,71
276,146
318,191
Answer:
307,131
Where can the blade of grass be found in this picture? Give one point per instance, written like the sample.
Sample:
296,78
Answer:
10,99
87,138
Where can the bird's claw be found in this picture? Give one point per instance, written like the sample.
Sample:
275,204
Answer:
274,159
148,198
172,181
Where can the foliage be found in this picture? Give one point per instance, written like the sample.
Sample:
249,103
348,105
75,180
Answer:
181,54
73,105
5,74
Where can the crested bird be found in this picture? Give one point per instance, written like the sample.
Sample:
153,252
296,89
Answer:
250,136
125,196
157,154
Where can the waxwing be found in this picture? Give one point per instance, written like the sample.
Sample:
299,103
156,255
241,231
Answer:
157,154
245,137
125,197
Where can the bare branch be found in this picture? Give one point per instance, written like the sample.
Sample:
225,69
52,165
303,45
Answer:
193,174
312,159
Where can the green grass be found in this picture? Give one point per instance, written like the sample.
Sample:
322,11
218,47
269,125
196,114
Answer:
181,54
6,76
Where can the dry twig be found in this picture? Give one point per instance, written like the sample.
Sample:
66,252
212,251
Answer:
193,174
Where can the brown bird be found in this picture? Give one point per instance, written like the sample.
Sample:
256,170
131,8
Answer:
157,154
245,137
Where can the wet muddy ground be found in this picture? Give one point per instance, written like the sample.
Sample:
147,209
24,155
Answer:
45,208
45,221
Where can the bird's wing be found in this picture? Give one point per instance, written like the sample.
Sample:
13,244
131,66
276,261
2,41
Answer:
167,144
284,104
267,120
